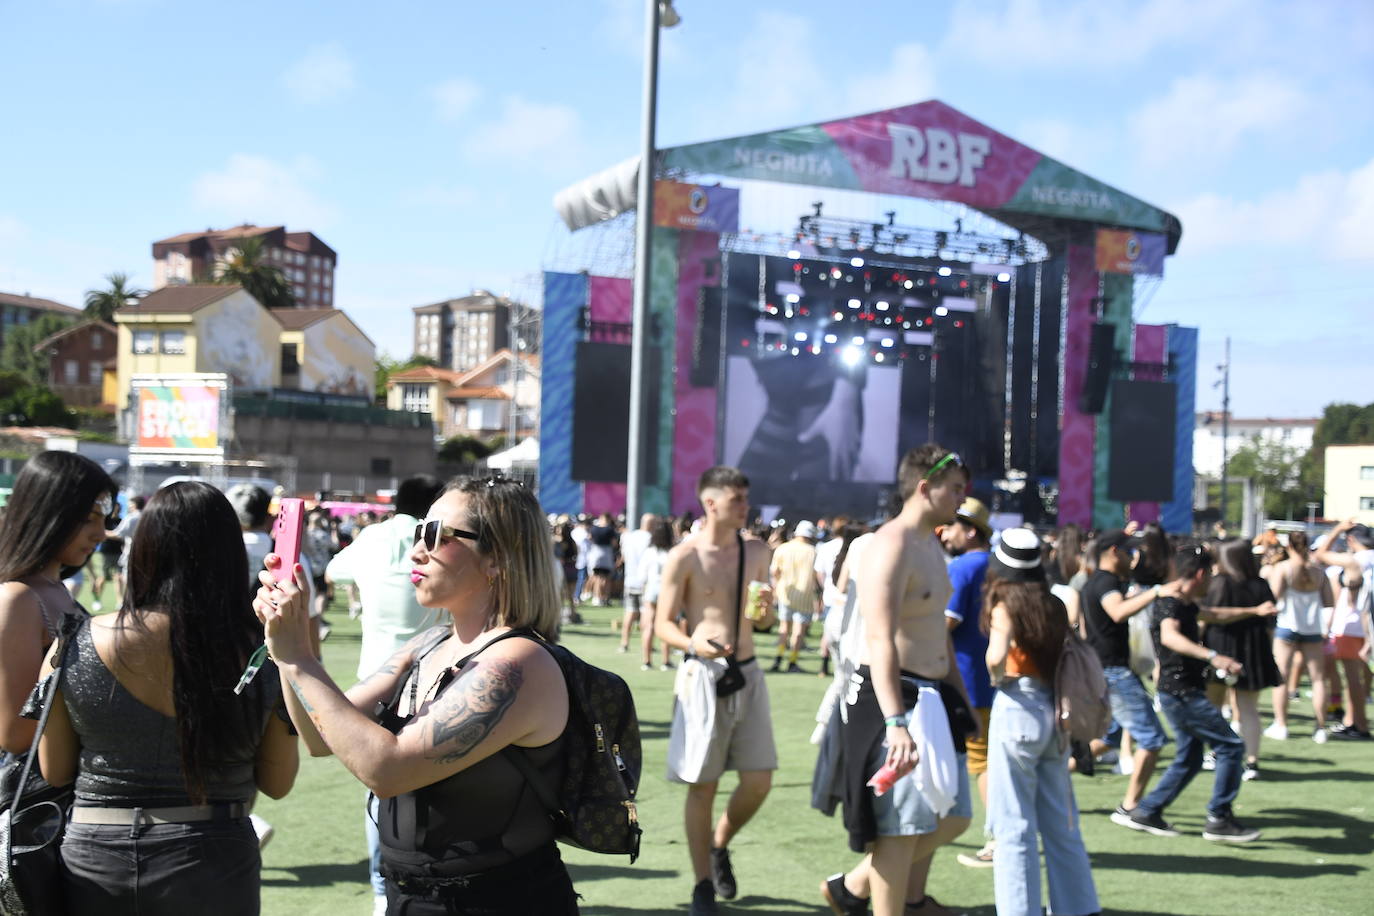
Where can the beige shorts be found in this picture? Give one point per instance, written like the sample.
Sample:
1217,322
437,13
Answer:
742,735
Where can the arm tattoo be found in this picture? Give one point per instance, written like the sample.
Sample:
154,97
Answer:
305,704
478,704
387,670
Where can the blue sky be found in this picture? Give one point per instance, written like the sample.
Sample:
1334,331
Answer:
425,140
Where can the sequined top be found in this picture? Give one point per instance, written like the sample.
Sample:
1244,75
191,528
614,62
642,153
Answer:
130,756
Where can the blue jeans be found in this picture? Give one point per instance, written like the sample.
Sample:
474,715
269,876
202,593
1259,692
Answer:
1196,721
1133,708
209,868
1029,795
374,848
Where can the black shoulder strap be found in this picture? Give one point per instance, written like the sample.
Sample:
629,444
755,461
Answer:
739,590
65,639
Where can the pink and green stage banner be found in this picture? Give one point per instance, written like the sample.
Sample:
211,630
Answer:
927,150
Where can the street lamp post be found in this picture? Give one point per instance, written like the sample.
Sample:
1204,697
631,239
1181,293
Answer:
658,12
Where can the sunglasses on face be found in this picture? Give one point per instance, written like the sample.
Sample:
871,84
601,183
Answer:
434,532
950,460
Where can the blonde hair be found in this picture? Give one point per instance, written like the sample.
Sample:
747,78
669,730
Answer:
513,530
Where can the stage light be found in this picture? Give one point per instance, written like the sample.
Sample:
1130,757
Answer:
858,341
944,271
800,336
882,306
887,341
831,338
816,349
908,284
906,324
796,352
793,297
958,324
941,311
744,342
878,357
836,273
856,262
851,355
794,254
1004,278
839,316
854,303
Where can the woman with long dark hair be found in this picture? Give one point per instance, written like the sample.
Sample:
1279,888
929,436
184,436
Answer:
650,571
435,731
165,754
1248,641
1029,794
54,520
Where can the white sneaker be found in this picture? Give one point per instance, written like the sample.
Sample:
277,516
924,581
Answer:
1125,766
1320,736
264,830
1277,732
96,606
379,905
1209,761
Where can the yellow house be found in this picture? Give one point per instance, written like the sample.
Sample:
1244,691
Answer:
214,328
199,328
323,350
477,402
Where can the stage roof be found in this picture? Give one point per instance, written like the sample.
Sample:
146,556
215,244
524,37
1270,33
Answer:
928,151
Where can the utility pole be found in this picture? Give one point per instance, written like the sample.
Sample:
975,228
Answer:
1225,368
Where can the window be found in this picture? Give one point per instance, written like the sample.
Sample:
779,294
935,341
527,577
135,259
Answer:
96,339
328,279
415,398
97,370
1366,472
174,343
71,372
145,342
1367,503
381,466
290,359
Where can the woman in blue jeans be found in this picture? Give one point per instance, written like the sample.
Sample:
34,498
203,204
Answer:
166,756
1029,794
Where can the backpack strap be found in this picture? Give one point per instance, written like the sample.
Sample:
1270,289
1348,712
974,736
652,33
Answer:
739,590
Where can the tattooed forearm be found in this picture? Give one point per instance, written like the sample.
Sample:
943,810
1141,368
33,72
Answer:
478,702
305,705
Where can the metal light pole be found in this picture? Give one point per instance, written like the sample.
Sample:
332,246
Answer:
658,12
1225,368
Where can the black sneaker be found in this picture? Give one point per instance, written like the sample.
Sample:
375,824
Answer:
1228,830
722,875
777,664
794,668
1152,824
703,900
841,901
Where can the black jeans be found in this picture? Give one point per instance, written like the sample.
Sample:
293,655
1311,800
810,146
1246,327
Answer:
210,868
537,883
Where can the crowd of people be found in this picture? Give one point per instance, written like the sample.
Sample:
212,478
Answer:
941,639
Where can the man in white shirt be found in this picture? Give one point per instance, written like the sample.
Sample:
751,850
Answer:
378,562
632,547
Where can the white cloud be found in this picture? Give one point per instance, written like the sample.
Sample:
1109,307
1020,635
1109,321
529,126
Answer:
1327,214
453,98
256,189
527,131
1092,33
1201,120
325,73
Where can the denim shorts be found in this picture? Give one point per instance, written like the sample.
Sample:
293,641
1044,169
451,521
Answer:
1288,635
210,868
1133,707
904,811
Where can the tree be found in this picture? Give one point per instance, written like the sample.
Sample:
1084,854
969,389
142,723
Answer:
23,403
1276,468
246,265
17,353
464,450
103,303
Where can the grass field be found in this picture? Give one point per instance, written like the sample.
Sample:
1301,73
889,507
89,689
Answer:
1313,802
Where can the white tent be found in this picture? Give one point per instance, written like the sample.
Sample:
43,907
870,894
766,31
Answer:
523,455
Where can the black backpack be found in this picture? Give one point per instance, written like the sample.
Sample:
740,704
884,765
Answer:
594,808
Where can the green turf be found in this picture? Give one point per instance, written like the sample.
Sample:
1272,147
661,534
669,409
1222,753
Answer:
1312,802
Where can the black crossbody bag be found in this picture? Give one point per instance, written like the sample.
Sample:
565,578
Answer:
732,681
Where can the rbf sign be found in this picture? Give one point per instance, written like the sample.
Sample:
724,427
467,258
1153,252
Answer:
936,155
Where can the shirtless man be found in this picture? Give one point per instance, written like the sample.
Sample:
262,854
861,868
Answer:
699,581
903,592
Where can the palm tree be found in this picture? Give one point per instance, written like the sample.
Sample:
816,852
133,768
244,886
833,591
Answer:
246,265
103,303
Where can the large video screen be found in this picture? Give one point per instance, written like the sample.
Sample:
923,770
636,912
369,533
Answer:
833,368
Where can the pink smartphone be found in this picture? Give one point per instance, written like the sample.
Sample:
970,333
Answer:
288,530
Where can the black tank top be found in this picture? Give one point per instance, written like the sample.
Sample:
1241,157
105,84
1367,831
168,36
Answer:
477,819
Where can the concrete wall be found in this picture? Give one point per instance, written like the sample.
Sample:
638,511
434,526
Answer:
337,358
343,450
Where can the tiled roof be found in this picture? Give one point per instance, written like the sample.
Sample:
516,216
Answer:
236,232
294,319
179,299
426,374
65,332
468,392
33,302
